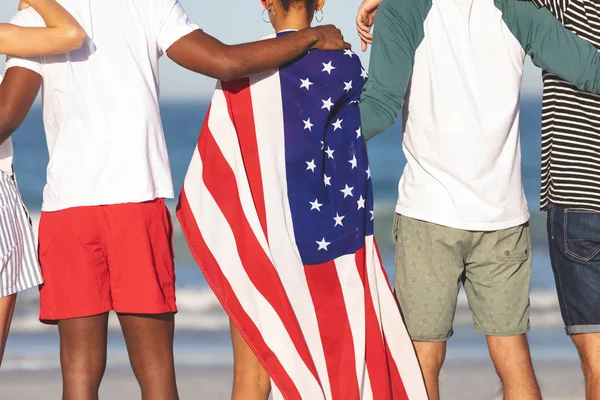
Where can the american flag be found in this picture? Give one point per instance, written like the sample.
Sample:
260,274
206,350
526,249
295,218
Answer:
277,208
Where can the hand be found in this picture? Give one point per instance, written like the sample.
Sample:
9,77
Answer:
23,4
365,20
329,38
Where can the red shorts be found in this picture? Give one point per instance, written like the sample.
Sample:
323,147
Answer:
116,257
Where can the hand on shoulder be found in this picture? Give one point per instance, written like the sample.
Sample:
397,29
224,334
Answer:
329,37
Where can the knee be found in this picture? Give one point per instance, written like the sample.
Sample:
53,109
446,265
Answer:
431,356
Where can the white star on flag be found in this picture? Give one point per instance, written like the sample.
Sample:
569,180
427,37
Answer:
327,180
358,133
323,245
308,125
311,165
353,162
372,215
327,104
364,74
348,86
369,173
348,53
337,124
306,83
328,67
338,219
348,191
315,205
361,203
329,152
322,145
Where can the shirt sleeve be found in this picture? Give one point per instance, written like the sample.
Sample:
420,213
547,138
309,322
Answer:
171,23
397,34
30,19
551,46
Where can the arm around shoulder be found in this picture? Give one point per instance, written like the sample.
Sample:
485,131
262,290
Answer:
551,46
200,52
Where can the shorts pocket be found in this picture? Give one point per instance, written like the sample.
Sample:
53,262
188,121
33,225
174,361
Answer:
396,228
582,234
514,244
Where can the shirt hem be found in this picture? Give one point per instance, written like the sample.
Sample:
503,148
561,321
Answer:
53,207
467,226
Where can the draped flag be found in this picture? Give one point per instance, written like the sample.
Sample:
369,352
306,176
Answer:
277,208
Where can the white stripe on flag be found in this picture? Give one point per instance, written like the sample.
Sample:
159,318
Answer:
220,240
397,338
220,122
268,118
353,292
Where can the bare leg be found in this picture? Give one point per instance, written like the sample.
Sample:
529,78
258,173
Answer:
250,380
83,356
7,308
431,357
588,345
512,360
149,341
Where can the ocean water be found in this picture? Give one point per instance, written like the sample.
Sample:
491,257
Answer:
202,326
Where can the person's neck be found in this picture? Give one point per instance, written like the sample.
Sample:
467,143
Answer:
295,21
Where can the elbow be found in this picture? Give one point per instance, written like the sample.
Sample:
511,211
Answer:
76,37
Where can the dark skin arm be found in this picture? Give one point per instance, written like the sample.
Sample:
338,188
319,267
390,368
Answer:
17,94
206,55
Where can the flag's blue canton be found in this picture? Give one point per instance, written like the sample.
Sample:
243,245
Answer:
329,180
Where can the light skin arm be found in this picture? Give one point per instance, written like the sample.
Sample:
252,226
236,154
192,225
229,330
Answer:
201,53
61,35
17,94
365,20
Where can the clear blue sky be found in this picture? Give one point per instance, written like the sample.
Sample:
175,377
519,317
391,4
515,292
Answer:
236,21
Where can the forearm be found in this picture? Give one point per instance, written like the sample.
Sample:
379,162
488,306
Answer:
204,54
54,15
62,33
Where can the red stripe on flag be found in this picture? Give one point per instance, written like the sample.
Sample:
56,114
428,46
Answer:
222,289
239,102
334,328
221,183
382,382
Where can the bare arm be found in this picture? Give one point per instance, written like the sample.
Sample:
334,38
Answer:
61,35
206,55
17,93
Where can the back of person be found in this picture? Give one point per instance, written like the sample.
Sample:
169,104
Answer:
101,112
456,67
277,207
461,120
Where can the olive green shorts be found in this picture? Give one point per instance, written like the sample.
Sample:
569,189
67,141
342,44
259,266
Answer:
431,263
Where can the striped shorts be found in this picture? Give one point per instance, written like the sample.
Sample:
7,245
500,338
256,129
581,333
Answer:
19,266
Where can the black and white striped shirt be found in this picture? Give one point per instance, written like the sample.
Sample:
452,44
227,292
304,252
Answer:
571,120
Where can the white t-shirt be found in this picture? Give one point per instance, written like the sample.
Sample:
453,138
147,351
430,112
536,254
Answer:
100,103
6,154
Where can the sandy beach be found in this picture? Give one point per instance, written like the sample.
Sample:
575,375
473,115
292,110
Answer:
464,381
